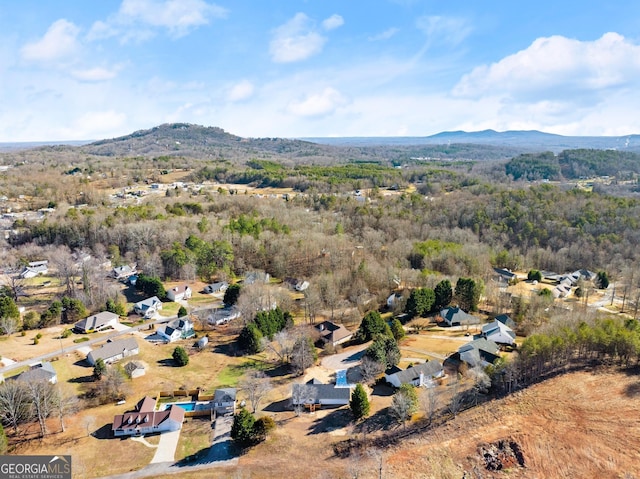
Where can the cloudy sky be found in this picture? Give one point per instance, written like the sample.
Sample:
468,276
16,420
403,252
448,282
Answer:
78,69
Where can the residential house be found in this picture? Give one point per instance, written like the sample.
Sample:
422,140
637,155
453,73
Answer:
563,289
39,372
506,320
219,287
181,328
135,369
97,322
393,299
504,275
296,284
255,277
419,375
179,293
146,420
223,316
499,333
454,316
224,401
123,272
480,352
38,268
113,351
148,307
332,333
321,394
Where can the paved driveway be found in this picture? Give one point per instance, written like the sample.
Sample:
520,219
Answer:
349,358
167,447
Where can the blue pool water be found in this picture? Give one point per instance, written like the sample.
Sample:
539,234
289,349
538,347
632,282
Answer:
187,406
341,378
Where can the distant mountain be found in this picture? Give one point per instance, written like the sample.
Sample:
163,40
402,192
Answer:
531,140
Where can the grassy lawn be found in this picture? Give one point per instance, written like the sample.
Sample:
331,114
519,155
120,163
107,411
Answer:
169,309
196,435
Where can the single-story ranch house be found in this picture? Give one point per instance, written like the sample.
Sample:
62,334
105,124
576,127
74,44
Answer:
145,419
113,351
420,375
97,322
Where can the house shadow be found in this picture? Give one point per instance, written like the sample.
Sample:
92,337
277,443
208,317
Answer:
354,357
104,432
81,379
83,363
383,390
336,419
279,406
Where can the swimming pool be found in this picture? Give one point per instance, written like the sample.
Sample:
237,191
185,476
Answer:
187,406
341,378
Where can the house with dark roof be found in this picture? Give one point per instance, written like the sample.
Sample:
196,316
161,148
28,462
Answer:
454,316
419,375
224,401
148,307
504,275
498,333
480,352
38,372
97,322
332,333
506,320
146,420
180,328
321,394
219,287
113,351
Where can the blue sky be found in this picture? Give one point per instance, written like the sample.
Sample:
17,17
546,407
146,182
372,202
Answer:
77,69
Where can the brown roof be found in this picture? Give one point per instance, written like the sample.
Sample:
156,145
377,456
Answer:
333,332
136,420
146,404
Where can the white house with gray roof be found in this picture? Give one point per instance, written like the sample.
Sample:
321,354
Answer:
96,322
419,375
322,394
113,351
148,307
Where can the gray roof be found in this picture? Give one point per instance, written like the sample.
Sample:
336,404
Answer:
327,391
224,395
96,321
454,314
506,320
480,344
37,372
113,348
429,369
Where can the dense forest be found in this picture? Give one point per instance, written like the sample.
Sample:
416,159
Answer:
354,228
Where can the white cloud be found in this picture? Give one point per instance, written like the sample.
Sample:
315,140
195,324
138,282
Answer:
386,35
296,40
59,42
444,29
333,22
241,91
137,18
94,125
95,74
557,67
318,104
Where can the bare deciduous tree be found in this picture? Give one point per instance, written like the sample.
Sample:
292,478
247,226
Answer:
42,395
9,325
401,406
430,401
66,403
14,403
66,269
303,354
256,385
370,368
302,394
